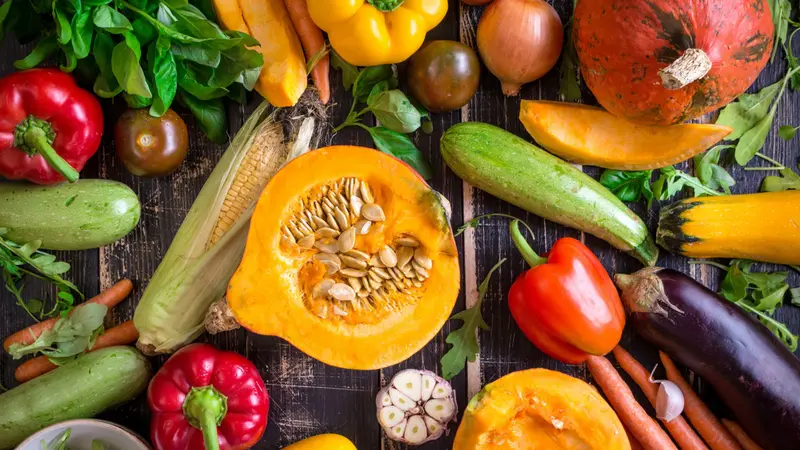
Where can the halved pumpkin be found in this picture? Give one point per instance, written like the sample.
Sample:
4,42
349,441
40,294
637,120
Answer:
350,258
540,408
589,135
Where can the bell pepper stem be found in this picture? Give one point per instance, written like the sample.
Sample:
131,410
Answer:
35,136
204,408
533,259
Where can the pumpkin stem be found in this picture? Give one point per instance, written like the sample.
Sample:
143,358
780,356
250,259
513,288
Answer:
693,65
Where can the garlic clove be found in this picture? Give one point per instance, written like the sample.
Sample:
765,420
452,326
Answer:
428,384
396,432
409,382
669,402
440,409
433,425
391,416
442,390
401,400
385,399
416,430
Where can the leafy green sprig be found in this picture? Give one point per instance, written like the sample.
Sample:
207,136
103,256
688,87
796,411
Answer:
633,186
376,88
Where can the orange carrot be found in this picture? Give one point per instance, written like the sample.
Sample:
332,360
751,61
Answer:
643,428
680,430
313,42
744,440
704,421
635,445
123,334
111,297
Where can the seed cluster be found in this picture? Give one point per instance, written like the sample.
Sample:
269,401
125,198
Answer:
330,224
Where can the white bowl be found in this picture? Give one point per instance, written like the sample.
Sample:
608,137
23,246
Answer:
83,432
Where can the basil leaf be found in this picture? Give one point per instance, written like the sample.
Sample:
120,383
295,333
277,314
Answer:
137,101
628,186
379,88
96,2
4,9
349,72
144,31
188,20
111,20
207,8
394,111
71,60
83,30
41,52
165,74
748,110
126,68
239,65
63,27
176,3
103,88
368,78
194,80
787,132
206,56
210,114
237,93
788,180
400,146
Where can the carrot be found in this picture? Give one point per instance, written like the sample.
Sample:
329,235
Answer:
680,430
744,440
123,334
313,43
111,297
635,445
704,421
643,428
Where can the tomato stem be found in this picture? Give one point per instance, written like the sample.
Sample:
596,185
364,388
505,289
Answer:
533,259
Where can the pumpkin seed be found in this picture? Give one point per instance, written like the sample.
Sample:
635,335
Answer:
328,257
347,240
327,245
408,241
326,232
422,259
388,257
305,227
342,201
319,222
364,293
355,263
332,222
362,226
306,242
421,271
308,216
408,271
331,267
327,202
417,284
295,232
342,292
373,212
374,280
365,193
339,311
375,261
355,273
322,288
356,204
317,208
358,254
404,255
396,274
381,273
341,218
327,209
354,283
323,312
287,242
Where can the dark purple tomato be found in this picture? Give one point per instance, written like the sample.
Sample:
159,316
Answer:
151,146
444,75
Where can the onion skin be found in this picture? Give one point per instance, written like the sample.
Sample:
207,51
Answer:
476,2
520,41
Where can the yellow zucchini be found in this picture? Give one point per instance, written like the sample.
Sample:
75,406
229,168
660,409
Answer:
761,227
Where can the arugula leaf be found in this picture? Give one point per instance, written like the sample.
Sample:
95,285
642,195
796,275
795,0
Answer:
70,336
710,173
628,186
464,340
673,181
788,180
781,14
349,72
394,111
748,109
401,147
792,61
787,132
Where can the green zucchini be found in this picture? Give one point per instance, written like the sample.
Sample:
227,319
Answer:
77,216
524,175
79,389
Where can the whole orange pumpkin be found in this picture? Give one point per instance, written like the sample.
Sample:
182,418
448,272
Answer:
663,62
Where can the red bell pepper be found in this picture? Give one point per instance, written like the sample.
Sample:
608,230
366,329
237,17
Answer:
49,127
204,398
566,304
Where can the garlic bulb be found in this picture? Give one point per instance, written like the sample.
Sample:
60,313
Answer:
416,406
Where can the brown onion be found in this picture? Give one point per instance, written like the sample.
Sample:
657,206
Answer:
519,40
475,2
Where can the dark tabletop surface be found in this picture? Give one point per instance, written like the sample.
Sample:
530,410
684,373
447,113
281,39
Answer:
308,397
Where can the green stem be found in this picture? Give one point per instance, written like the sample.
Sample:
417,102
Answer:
710,263
523,247
38,140
208,425
778,165
352,119
204,408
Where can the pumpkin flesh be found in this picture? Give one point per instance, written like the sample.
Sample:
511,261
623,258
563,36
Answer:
540,408
623,45
275,291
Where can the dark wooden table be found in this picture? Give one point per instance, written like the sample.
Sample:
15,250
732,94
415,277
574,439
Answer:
307,396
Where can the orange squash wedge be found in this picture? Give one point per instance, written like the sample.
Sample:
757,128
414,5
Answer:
350,258
592,136
540,408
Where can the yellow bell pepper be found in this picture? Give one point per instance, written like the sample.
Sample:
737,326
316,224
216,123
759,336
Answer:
323,442
373,32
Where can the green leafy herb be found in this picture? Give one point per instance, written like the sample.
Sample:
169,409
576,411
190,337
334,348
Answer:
40,53
781,16
787,132
673,181
4,9
760,293
629,186
464,340
473,223
395,111
569,86
126,68
710,173
794,295
792,61
19,263
210,114
69,337
165,73
788,180
349,71
400,146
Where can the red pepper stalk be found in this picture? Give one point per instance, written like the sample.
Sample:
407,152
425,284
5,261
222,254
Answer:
204,398
49,127
566,304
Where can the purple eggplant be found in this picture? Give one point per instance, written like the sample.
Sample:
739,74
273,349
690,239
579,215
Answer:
752,371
